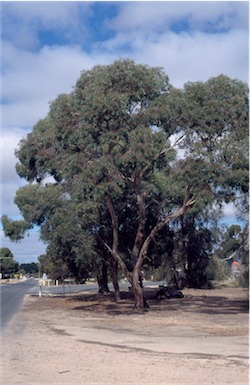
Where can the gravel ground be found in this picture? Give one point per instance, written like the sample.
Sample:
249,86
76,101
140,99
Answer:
87,339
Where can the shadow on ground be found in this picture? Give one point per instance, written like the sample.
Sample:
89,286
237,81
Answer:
207,304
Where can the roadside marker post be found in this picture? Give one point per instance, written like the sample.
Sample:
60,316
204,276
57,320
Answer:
40,290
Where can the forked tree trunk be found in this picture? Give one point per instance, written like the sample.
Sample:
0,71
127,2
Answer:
140,301
141,247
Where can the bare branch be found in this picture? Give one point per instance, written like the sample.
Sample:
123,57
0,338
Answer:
187,203
173,145
114,220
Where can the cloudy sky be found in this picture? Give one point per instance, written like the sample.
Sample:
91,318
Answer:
45,45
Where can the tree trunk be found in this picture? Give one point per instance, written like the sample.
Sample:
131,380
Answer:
140,300
102,279
116,260
114,269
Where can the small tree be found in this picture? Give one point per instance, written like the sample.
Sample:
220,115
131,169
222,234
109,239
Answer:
8,266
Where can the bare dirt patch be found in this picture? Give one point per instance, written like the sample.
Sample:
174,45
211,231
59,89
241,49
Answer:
90,339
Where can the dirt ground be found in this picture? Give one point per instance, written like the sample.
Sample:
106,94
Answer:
87,339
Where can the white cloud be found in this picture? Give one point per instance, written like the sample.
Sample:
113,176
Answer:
10,142
31,79
23,22
187,57
7,199
47,13
41,74
143,32
196,57
230,215
229,210
24,113
10,181
153,16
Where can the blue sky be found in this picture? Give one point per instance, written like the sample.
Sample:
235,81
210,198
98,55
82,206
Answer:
45,46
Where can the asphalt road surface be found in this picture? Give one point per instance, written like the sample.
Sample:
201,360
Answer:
12,295
11,298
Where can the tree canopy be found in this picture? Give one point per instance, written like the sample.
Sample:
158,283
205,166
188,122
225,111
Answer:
129,154
8,266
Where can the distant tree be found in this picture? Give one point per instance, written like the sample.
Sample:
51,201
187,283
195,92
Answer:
55,269
29,268
193,247
8,266
230,241
234,244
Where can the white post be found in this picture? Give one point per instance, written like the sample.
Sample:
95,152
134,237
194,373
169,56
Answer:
40,290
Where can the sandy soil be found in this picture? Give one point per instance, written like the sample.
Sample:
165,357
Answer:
82,339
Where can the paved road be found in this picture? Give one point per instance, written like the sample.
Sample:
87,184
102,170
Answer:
11,299
12,295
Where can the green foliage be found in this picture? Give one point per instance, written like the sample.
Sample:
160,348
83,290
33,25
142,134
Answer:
235,244
215,116
230,241
37,202
57,269
193,250
36,154
216,270
244,254
29,268
15,230
110,137
8,266
5,253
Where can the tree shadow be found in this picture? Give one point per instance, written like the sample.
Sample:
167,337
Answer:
206,304
105,304
213,305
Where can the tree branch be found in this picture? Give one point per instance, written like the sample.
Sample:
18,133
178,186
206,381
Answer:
187,203
114,220
141,224
164,151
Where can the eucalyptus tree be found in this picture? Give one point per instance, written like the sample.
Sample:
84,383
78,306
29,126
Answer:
107,146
